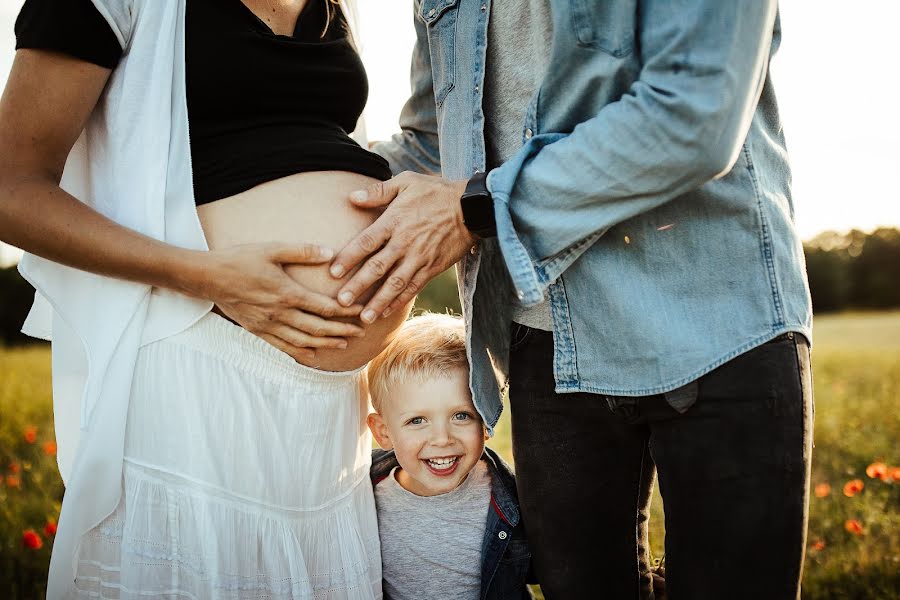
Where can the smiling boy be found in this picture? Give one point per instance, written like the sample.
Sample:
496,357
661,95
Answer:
448,515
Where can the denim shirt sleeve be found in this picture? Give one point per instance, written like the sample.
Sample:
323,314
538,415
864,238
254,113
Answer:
681,123
416,147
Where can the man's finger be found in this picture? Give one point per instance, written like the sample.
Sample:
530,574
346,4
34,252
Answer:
392,287
412,289
308,254
380,193
374,269
366,243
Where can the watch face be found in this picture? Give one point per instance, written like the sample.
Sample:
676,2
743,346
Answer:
478,214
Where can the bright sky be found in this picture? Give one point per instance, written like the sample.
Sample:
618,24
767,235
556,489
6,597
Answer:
833,78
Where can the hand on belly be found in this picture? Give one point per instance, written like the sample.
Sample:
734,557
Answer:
266,282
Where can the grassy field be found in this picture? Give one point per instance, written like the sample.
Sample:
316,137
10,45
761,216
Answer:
854,541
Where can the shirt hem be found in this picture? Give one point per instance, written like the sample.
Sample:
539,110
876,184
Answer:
581,386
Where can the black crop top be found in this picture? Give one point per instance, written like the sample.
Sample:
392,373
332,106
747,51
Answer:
261,106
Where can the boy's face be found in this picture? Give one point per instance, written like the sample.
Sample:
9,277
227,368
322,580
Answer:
434,430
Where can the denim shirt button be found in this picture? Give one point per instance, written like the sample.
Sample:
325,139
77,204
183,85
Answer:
529,134
432,12
502,535
520,294
484,8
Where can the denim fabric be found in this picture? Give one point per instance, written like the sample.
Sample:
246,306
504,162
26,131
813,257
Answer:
505,555
733,473
650,202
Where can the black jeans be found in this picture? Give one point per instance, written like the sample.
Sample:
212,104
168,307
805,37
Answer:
733,474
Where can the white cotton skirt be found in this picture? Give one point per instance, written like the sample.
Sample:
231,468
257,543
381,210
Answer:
246,476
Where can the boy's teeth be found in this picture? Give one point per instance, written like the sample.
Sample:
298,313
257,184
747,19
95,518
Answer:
441,462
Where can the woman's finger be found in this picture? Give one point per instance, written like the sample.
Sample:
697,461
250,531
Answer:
299,339
305,354
318,327
304,254
319,304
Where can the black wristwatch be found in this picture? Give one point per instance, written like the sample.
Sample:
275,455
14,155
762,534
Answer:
478,207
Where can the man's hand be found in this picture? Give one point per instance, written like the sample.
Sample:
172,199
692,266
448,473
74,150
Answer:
419,235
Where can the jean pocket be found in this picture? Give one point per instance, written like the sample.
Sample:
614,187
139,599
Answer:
440,18
605,25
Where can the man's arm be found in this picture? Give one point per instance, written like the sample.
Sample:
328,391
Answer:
680,125
416,147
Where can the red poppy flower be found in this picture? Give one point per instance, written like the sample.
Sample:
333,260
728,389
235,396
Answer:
853,487
50,448
853,526
50,528
30,434
895,473
877,470
30,539
822,490
13,481
14,467
818,545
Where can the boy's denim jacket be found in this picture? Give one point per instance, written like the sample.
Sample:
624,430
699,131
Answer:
505,557
650,202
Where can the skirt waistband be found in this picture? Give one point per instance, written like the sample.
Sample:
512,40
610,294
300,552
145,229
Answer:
218,337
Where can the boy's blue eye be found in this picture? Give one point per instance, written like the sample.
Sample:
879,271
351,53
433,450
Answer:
461,416
415,421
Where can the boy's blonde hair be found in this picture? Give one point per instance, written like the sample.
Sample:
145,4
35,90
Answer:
425,347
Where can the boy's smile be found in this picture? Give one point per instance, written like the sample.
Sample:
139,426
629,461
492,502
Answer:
434,430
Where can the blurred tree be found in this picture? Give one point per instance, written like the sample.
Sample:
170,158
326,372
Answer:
875,273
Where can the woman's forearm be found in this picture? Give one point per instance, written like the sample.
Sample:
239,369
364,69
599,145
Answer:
39,217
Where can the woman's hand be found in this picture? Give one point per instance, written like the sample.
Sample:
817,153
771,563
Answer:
250,286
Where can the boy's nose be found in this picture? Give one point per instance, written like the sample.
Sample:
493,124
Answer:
441,437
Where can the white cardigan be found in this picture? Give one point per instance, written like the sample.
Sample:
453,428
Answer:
133,164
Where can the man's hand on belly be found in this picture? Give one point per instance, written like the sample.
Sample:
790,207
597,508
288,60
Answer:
419,235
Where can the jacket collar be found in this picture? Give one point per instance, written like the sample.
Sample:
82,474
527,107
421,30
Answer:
504,499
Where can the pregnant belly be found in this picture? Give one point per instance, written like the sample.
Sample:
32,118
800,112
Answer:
303,208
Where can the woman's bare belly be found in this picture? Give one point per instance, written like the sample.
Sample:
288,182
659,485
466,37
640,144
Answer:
304,208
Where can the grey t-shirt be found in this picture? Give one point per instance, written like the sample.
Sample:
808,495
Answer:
520,36
431,545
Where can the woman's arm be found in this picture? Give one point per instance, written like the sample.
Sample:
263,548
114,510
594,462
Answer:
45,106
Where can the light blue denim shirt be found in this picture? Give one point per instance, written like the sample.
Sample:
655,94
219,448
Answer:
650,202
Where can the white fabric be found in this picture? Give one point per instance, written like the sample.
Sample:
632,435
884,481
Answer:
246,476
132,163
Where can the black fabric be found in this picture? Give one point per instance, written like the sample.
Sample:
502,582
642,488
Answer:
73,27
261,106
733,474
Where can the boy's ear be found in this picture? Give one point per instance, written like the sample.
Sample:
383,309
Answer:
379,429
487,435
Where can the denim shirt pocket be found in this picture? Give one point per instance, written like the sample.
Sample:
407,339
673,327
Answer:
605,25
440,17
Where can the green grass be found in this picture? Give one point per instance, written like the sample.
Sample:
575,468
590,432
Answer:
856,368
